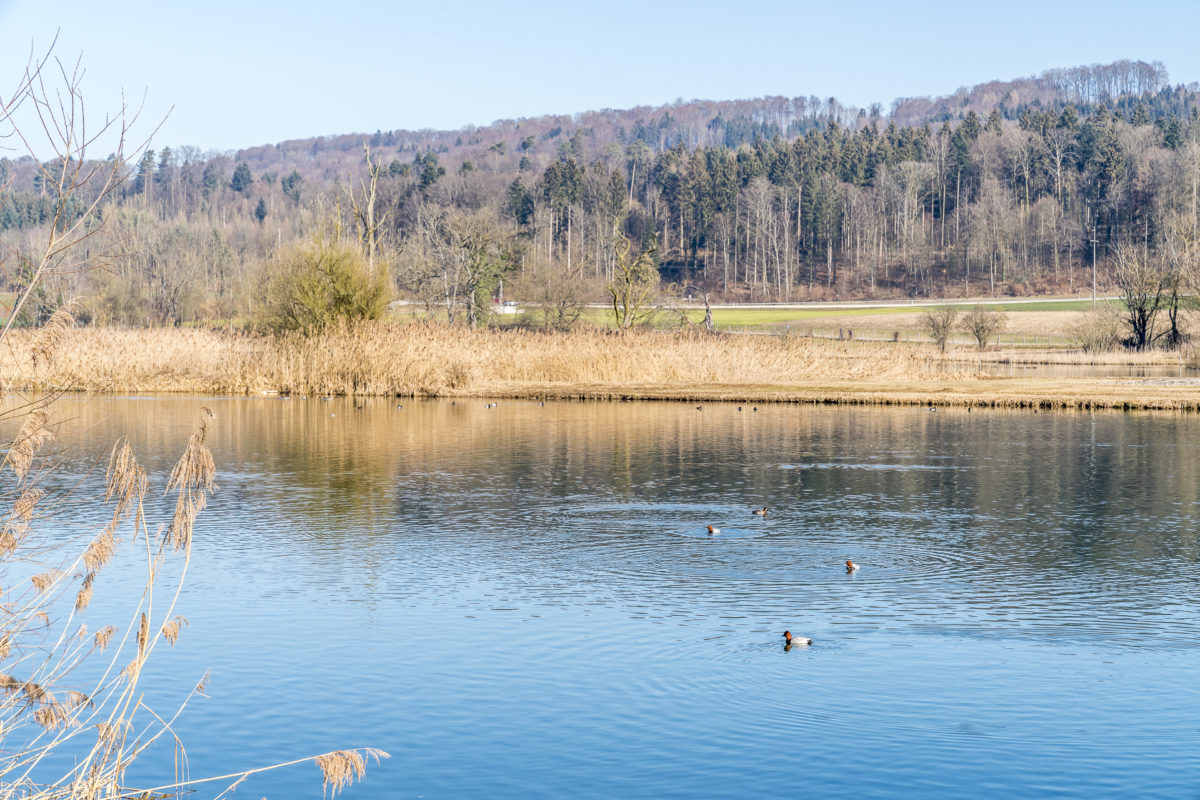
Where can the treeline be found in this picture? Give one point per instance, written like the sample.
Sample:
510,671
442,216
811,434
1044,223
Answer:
795,201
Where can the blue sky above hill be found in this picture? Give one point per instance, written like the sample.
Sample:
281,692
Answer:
242,74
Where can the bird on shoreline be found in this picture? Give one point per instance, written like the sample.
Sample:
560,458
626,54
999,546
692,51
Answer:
790,641
713,531
850,566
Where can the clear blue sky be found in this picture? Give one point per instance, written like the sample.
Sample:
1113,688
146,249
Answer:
245,73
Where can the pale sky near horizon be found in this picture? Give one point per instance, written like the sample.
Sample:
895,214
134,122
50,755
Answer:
250,73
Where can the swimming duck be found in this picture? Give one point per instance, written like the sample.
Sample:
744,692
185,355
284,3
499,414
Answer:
713,531
850,566
762,512
789,640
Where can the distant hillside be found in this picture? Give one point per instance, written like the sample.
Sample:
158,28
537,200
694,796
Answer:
511,146
699,123
1091,85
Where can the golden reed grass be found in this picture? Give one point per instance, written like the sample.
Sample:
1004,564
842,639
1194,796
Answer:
431,360
383,359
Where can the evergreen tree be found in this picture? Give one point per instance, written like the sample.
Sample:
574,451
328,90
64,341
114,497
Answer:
145,174
260,211
519,203
212,178
290,184
242,179
166,166
428,169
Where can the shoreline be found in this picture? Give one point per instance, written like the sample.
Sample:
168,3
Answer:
1086,395
1079,395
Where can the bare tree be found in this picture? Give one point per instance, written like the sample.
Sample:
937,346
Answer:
1181,257
1145,282
634,284
367,220
939,322
50,95
984,325
560,297
474,251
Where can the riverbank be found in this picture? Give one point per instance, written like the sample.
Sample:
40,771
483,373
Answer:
435,361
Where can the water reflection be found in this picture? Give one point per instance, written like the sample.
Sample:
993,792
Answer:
524,599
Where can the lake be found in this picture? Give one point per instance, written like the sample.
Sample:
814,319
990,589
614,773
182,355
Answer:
523,601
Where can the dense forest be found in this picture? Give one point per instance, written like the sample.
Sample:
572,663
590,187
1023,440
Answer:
1005,188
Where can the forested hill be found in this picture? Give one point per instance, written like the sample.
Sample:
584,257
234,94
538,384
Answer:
1003,187
512,145
728,123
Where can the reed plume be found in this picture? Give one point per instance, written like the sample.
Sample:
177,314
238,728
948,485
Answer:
170,630
84,596
341,767
192,477
49,339
104,636
34,433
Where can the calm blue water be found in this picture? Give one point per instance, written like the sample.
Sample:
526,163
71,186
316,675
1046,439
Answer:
523,601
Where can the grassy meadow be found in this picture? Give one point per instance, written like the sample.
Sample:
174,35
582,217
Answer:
418,359
1039,324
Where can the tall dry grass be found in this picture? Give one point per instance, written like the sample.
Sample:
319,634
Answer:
419,359
433,360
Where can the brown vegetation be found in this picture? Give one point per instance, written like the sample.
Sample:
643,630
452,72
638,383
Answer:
434,360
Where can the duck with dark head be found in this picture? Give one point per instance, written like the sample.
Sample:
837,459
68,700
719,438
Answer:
790,641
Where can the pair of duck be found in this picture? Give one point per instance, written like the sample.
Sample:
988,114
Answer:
760,512
790,641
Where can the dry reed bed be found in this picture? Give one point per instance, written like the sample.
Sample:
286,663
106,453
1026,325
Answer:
1113,358
431,360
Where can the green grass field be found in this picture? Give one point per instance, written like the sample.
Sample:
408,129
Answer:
775,317
804,320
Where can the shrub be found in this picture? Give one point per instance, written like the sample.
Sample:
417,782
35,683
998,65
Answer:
315,286
1097,331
